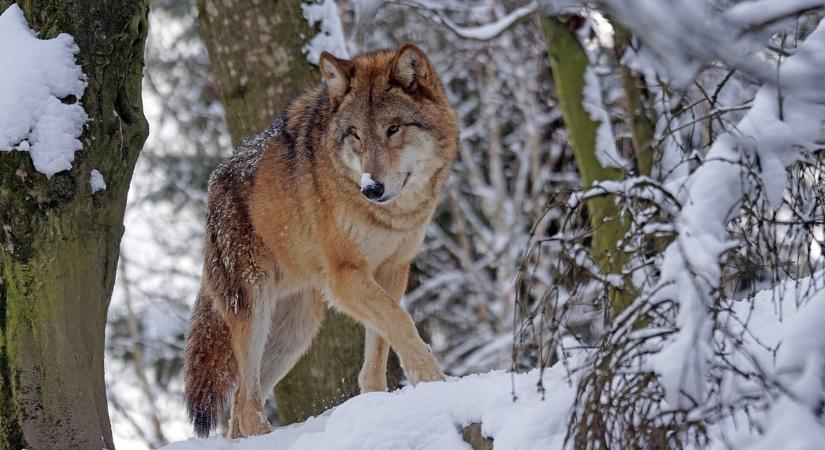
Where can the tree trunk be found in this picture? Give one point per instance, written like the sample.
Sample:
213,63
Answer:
255,50
639,117
59,241
569,62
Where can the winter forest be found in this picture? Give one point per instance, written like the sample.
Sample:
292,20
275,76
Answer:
627,252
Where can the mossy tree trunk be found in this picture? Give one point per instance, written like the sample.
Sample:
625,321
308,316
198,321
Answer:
59,241
569,63
255,51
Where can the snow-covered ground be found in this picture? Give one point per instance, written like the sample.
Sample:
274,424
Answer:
429,416
786,341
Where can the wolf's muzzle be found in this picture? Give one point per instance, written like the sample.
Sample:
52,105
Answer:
373,191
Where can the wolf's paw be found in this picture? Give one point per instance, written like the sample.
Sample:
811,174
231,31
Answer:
372,384
425,370
372,380
256,424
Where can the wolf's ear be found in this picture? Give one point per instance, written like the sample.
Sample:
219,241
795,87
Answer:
411,69
336,73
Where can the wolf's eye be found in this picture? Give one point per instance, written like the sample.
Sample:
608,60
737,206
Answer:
351,132
392,130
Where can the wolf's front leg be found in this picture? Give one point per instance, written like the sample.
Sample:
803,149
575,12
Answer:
355,291
249,331
373,377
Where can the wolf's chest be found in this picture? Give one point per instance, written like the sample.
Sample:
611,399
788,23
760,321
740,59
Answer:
375,244
379,245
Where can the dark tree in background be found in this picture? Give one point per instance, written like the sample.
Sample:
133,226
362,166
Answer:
59,247
255,52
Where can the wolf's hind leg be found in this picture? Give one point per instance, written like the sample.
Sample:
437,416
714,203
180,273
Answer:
249,336
295,323
373,375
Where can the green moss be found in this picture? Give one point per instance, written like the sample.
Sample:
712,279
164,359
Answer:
11,433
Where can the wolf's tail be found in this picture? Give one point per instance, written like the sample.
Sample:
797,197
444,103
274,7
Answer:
210,368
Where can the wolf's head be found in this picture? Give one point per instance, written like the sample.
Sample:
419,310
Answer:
391,126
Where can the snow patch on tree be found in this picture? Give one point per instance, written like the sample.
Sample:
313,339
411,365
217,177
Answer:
97,181
592,101
331,35
38,79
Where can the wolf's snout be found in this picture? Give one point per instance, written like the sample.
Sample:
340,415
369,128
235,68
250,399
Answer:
373,191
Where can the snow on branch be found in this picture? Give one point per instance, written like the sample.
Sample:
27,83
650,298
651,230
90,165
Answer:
491,30
697,354
494,29
330,36
759,13
774,132
40,91
666,26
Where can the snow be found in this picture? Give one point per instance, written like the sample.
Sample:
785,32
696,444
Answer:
691,269
785,341
429,416
496,28
606,150
331,36
491,30
366,180
780,333
368,8
97,181
35,75
751,13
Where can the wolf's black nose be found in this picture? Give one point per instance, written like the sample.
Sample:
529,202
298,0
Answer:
373,191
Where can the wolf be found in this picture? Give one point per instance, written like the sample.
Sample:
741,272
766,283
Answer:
327,206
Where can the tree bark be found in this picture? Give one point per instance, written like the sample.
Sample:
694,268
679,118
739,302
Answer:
255,51
639,116
569,62
59,241
472,435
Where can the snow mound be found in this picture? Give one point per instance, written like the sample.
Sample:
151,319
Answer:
429,416
35,75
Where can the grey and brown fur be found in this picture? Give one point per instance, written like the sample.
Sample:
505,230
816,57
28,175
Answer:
291,229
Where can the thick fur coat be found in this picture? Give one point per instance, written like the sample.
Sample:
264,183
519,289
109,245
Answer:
328,205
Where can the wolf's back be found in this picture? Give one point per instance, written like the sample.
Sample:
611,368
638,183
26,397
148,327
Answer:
210,368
